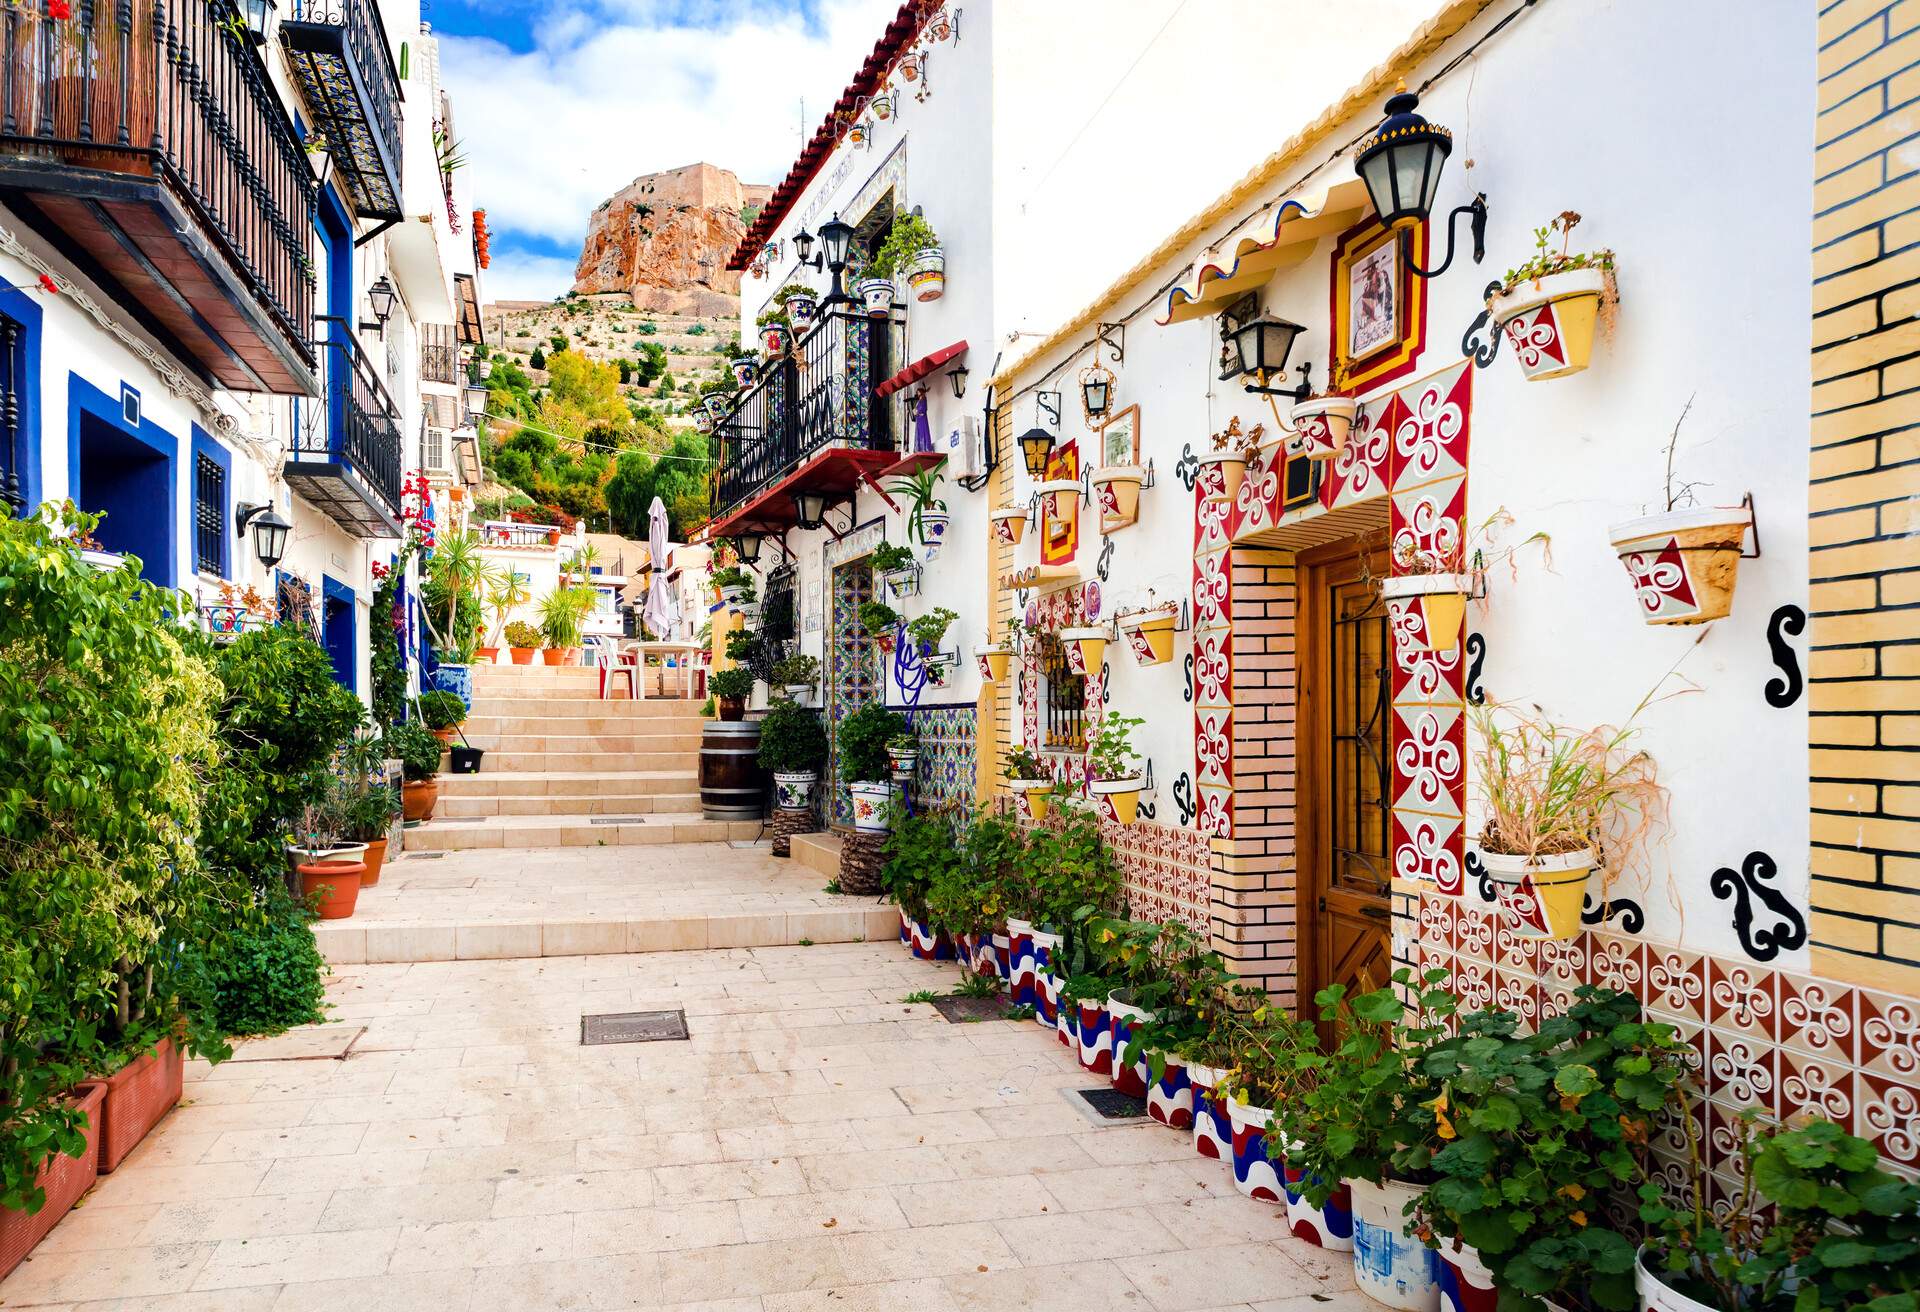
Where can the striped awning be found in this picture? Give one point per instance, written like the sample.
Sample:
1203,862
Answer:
1247,259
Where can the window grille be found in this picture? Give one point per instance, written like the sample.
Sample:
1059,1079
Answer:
209,515
13,378
1064,695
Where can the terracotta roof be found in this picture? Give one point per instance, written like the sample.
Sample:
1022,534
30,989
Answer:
900,32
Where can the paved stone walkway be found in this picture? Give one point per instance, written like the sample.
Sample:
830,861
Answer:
446,1143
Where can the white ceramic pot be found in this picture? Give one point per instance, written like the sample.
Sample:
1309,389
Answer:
927,274
793,789
1426,611
1466,1285
1549,322
870,802
800,694
1656,1295
1212,1127
1684,563
1389,1265
1128,1077
1254,1173
876,294
1540,896
902,582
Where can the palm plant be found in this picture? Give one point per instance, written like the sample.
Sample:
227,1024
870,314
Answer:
506,590
457,573
562,613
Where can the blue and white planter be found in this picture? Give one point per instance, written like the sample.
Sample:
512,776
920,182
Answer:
1003,958
1329,1226
1254,1173
1129,1077
926,943
1170,1098
1067,1027
1046,990
933,531
1389,1264
1212,1128
1022,979
456,679
793,790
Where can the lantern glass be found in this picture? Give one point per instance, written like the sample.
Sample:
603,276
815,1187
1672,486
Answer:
803,245
1402,161
748,546
259,15
837,237
381,297
270,538
476,395
1036,448
958,377
809,509
1095,391
1263,345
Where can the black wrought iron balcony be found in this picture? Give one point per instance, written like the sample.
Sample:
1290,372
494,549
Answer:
812,423
146,143
343,63
347,458
439,354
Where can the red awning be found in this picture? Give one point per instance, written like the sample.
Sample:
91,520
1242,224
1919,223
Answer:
920,368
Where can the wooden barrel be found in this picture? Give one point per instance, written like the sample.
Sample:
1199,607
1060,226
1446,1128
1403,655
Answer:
732,785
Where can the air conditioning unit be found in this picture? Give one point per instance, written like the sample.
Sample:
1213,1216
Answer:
966,453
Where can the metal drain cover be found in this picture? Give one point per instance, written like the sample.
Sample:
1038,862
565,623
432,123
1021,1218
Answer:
633,1027
423,856
617,820
1114,1105
963,1011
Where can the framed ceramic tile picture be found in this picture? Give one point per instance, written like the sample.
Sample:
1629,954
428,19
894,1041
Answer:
1379,308
1373,277
1120,438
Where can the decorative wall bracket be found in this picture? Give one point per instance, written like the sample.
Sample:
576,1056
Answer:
1048,404
1113,336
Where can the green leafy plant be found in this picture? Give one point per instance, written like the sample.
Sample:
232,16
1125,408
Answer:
891,558
1023,764
920,996
917,847
440,710
271,976
909,235
454,593
930,630
562,613
1069,870
1545,262
417,750
1111,755
862,743
796,670
904,741
920,492
878,618
733,576
523,635
731,683
742,645
792,739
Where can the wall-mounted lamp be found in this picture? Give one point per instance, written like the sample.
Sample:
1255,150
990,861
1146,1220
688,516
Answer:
809,509
1401,164
269,530
747,546
1036,448
380,297
1262,345
475,394
1096,390
957,376
836,239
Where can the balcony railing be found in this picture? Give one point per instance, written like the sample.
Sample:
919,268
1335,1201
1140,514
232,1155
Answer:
816,399
513,533
340,56
350,464
146,139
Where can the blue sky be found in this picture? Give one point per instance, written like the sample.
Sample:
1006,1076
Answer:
559,106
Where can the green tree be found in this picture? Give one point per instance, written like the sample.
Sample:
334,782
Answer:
538,360
677,475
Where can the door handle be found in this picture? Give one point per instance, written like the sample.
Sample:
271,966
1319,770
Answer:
1376,913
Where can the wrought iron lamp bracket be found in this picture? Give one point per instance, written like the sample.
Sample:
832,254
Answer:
1477,210
1113,336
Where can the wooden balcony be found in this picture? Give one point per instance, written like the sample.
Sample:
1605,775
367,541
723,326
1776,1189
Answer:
146,143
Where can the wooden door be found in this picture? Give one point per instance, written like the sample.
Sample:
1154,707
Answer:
1345,800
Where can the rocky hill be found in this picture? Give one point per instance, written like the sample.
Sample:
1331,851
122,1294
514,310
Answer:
663,240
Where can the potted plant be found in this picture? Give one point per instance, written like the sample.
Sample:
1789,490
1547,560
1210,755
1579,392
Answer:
903,752
879,620
562,612
1114,765
1086,647
1684,561
969,898
793,743
992,660
1174,987
418,752
917,847
1560,803
1009,523
911,251
1321,425
731,688
894,564
523,641
803,310
743,372
795,675
1540,1128
1148,633
926,512
1224,467
873,287
735,585
1116,490
1426,600
58,1164
442,712
861,741
329,870
367,802
1072,878
1547,306
1030,783
930,630
1273,1056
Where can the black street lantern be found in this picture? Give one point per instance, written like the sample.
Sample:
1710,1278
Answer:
836,240
259,14
381,297
1401,165
958,377
809,509
269,531
1036,448
747,546
1262,345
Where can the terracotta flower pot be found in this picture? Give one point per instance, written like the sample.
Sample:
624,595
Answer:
374,857
522,655
992,662
1684,563
553,655
486,655
63,1178
138,1095
1086,648
336,882
448,734
1221,473
1322,425
1064,494
417,797
1032,795
1119,798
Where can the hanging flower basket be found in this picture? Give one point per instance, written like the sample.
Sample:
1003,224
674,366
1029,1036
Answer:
793,789
870,801
877,295
1683,563
1323,424
1549,322
1427,610
803,311
1221,473
1031,796
1540,896
927,274
1009,524
1149,635
1116,490
933,532
1119,798
1086,648
1065,493
993,661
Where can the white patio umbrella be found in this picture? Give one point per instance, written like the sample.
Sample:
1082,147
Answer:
662,611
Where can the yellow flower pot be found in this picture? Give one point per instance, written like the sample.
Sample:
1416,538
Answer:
1684,563
1322,425
1031,796
1149,636
1065,494
1540,896
1549,322
1119,798
992,662
1008,525
1086,648
1116,490
1426,611
1221,473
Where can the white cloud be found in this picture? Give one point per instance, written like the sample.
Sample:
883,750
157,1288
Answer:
521,277
642,87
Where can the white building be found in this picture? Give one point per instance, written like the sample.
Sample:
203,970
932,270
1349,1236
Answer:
248,294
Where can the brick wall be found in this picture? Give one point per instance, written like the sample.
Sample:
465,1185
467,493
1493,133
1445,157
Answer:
1254,894
1864,497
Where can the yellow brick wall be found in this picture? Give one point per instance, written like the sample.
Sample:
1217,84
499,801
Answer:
1864,497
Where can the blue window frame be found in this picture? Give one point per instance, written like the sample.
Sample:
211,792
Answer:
339,625
127,473
20,480
212,505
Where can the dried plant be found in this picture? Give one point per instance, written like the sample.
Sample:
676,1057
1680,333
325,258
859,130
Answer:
1231,438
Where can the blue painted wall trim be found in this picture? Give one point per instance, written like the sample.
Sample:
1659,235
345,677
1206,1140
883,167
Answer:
25,311
85,401
339,624
204,445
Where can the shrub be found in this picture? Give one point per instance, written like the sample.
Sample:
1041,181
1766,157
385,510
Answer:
270,977
522,634
417,750
1069,870
796,670
863,742
441,710
916,848
792,738
736,682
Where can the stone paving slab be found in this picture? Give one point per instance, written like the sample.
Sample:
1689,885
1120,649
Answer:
815,1146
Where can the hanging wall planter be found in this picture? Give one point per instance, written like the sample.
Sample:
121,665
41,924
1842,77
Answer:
933,531
773,340
1086,648
1221,473
1031,795
1119,798
927,274
1540,896
1322,425
1683,563
1009,524
1065,493
902,582
870,801
803,311
793,789
743,371
1426,610
992,661
1149,635
1116,490
877,295
1549,321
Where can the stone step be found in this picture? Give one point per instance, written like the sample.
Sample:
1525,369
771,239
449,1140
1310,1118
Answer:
459,807
565,717
355,942
521,676
819,852
456,835
591,761
540,741
568,783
